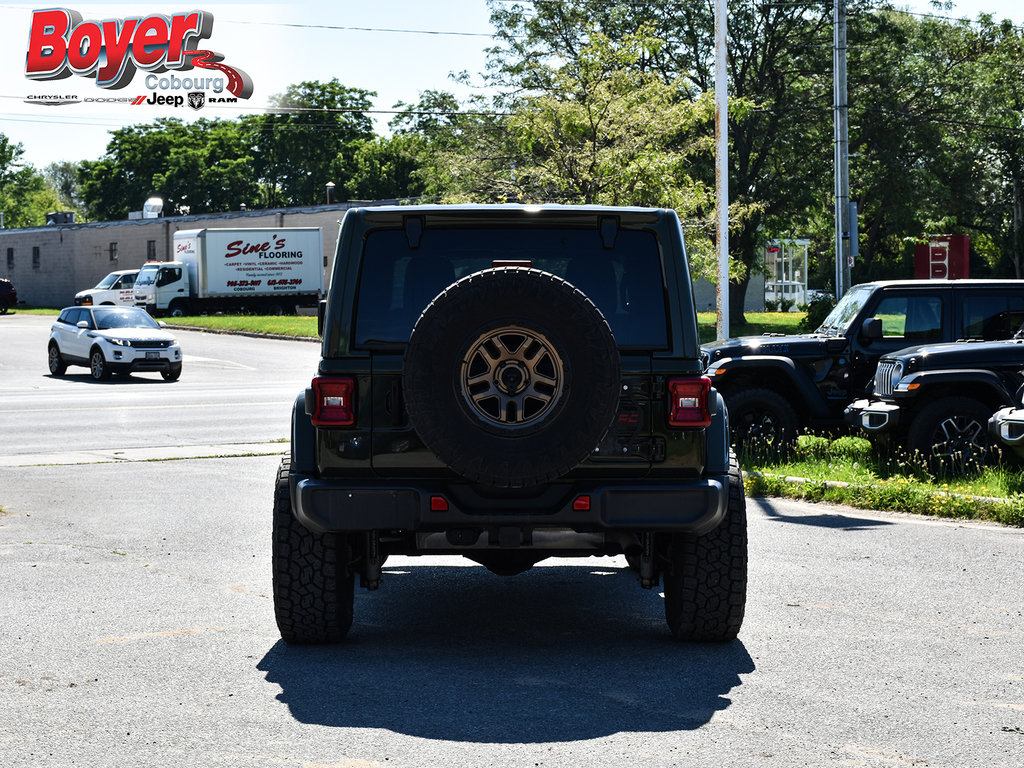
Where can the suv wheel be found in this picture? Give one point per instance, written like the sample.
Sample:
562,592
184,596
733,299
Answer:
173,373
952,435
313,584
511,377
98,366
57,365
706,581
763,422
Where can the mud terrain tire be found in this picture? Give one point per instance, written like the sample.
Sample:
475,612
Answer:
511,377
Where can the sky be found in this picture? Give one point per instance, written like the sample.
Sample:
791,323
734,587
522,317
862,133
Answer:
397,48
275,44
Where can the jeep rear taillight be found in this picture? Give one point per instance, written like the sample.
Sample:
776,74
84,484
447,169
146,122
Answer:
688,402
334,401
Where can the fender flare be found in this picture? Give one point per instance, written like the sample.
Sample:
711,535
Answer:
303,449
805,392
977,381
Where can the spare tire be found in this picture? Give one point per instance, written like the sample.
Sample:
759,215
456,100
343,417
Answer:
511,377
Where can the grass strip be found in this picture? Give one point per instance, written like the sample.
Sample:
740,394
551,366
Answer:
848,470
292,326
894,495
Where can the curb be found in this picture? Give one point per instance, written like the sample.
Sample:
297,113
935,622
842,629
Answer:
250,334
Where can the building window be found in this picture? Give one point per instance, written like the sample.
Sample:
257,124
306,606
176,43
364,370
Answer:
35,257
151,250
113,251
10,258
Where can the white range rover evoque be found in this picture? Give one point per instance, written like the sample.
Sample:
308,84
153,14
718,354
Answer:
112,340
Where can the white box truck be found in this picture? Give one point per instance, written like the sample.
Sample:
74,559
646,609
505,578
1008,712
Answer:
268,271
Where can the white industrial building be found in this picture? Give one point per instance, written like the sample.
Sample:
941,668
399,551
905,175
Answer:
50,264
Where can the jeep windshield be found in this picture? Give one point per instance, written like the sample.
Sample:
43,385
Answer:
624,281
846,311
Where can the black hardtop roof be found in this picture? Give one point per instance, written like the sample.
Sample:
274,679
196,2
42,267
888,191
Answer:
509,213
963,283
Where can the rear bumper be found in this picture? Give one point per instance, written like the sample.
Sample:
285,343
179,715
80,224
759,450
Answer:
873,416
332,506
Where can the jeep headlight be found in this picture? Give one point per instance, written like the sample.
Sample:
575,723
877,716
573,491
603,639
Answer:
897,374
120,342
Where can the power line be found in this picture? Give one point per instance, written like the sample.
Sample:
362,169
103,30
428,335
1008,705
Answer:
339,27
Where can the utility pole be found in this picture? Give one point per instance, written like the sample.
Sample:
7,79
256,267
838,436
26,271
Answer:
722,166
842,149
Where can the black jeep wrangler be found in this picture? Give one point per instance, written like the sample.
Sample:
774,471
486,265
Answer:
774,384
936,400
509,383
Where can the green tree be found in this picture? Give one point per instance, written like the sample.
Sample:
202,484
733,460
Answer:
605,131
386,168
997,108
453,141
210,169
308,139
25,197
198,167
779,151
919,163
62,178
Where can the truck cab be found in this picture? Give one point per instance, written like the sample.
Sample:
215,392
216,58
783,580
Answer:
163,286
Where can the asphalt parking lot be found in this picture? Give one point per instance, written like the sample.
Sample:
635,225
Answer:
139,630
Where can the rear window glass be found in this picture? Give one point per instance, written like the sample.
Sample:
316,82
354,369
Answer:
625,282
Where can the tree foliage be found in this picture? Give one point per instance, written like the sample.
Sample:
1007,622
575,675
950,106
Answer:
603,102
776,153
309,138
199,167
25,197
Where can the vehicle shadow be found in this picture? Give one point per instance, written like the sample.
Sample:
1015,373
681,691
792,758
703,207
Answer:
555,654
823,520
118,378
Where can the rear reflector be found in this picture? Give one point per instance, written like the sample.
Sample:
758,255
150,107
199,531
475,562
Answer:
688,402
581,504
438,504
335,401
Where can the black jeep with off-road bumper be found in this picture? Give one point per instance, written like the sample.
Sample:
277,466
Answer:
509,383
936,400
775,385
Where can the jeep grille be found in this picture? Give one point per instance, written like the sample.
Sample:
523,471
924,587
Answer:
886,377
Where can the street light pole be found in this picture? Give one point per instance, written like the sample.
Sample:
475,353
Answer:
842,149
722,166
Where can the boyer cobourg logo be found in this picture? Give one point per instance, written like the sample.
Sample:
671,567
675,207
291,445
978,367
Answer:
113,51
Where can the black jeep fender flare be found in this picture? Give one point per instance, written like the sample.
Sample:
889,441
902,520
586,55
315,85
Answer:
977,383
303,448
797,387
718,436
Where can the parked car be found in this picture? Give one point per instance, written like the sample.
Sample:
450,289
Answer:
112,340
116,288
509,383
936,400
8,296
775,384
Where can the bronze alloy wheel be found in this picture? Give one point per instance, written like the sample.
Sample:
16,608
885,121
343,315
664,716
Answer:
512,376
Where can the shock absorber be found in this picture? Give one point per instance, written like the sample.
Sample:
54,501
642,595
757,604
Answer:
372,570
